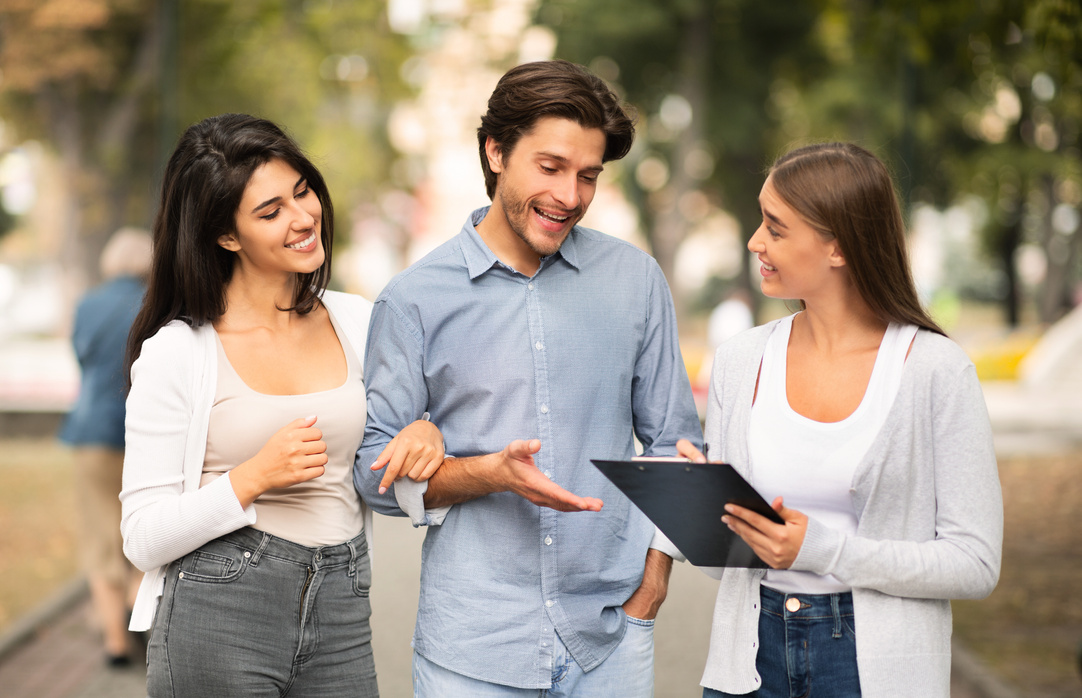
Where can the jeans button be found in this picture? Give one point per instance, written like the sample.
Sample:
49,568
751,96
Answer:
792,605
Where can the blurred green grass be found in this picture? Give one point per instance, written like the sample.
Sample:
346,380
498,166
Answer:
38,524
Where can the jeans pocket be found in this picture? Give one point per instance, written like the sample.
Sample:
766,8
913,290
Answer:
362,574
214,563
642,623
848,627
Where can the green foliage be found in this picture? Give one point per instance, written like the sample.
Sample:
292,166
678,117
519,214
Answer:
325,70
111,84
723,60
959,100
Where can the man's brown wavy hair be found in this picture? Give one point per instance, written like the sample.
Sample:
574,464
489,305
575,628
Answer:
533,91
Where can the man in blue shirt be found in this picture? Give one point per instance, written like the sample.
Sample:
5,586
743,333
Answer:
527,326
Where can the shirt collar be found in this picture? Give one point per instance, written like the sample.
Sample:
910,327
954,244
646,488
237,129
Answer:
479,258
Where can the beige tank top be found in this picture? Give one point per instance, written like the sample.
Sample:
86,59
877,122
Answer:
322,511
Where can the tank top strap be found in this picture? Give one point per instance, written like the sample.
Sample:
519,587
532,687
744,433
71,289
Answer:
890,363
772,370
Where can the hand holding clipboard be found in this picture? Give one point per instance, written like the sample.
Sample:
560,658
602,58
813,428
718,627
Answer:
686,500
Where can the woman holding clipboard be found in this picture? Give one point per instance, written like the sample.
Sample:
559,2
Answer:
866,427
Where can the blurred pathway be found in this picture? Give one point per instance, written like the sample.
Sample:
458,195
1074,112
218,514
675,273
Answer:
61,657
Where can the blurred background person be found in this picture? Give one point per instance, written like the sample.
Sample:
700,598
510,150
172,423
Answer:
95,427
729,318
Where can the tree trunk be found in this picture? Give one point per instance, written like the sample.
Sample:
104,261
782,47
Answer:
66,126
670,226
1008,245
1062,251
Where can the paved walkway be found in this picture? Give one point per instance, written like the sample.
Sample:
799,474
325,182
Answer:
62,658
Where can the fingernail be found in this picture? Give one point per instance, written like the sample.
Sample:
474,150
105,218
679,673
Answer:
729,508
382,490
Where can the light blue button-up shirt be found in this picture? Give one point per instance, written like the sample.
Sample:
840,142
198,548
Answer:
584,356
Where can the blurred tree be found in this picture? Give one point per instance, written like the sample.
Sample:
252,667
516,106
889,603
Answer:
1009,117
901,80
964,103
959,102
701,73
1053,65
327,71
109,84
78,74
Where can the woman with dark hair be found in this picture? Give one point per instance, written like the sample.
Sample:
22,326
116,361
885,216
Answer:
866,428
245,413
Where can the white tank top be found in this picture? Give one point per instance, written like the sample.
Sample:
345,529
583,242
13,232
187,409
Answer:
322,511
811,464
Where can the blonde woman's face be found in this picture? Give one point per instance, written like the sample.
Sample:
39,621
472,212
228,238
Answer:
795,261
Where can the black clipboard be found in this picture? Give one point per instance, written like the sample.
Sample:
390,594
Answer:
686,501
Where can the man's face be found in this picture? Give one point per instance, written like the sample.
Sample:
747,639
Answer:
547,182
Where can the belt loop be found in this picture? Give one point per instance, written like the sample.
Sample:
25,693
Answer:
834,609
263,543
352,557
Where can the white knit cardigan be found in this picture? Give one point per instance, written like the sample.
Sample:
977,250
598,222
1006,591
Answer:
165,514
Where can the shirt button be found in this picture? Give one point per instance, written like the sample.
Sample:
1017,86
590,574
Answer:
549,603
548,474
544,409
530,285
548,540
538,346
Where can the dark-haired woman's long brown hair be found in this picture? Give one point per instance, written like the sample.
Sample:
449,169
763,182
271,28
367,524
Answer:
201,190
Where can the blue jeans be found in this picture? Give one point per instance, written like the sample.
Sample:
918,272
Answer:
809,652
251,614
628,672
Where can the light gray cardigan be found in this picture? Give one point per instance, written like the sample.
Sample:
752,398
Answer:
930,522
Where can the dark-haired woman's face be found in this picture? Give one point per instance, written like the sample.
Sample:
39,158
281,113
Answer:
797,262
277,225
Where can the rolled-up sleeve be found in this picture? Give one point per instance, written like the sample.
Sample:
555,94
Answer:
397,395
